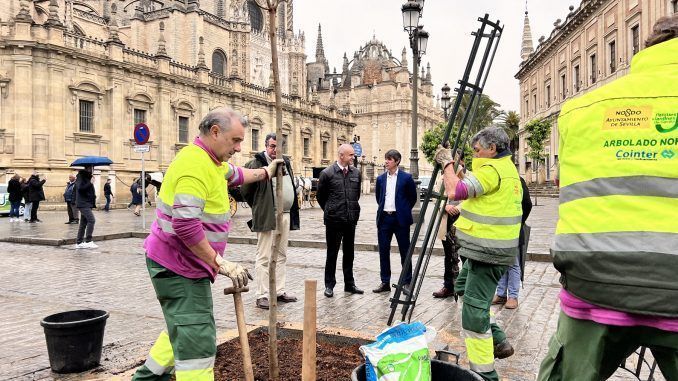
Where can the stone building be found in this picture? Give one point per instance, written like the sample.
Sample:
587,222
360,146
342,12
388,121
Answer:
77,75
375,87
591,47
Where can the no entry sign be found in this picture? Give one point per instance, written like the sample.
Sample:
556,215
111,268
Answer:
141,133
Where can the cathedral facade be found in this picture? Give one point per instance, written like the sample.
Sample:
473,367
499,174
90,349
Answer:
376,88
77,75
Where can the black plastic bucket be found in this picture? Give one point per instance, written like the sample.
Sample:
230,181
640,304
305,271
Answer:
440,370
74,339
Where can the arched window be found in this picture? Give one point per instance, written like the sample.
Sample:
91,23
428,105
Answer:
256,18
219,63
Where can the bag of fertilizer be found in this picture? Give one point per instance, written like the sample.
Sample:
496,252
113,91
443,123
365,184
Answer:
400,353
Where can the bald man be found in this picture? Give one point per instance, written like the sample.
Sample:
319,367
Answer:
338,194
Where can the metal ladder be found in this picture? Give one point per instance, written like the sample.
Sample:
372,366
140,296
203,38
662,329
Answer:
487,38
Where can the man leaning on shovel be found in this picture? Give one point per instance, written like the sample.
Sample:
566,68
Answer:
187,241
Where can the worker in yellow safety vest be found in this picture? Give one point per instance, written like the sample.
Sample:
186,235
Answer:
616,243
487,231
184,251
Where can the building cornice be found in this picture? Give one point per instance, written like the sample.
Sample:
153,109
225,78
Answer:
559,34
182,74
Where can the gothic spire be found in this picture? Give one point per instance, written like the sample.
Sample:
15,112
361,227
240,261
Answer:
403,61
162,51
113,26
53,19
428,72
527,47
319,50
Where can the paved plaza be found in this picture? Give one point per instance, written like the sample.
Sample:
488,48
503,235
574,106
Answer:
38,280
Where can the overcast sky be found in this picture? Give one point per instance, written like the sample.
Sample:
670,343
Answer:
348,24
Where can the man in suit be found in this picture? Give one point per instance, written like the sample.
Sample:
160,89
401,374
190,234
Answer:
396,195
338,194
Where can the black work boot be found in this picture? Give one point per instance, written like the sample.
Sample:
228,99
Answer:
503,350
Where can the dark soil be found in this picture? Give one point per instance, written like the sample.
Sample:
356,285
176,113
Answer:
334,362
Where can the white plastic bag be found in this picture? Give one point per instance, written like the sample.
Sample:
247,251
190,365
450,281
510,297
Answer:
400,353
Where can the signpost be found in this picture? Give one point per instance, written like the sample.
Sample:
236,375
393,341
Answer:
141,135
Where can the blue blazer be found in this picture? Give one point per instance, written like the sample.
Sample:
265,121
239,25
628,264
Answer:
405,197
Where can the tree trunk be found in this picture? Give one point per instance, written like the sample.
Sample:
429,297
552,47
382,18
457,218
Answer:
274,370
536,169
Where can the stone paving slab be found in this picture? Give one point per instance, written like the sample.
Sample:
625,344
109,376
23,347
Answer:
36,281
121,223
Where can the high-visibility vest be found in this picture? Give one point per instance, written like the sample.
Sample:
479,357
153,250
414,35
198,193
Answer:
194,181
489,225
616,242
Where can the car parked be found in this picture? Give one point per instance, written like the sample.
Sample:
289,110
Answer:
4,202
423,186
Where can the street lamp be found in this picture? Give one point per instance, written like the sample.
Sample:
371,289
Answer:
412,11
445,99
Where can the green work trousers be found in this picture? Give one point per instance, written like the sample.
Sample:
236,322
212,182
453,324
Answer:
478,283
584,350
188,347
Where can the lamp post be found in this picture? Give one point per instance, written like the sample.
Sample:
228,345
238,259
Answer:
412,11
445,100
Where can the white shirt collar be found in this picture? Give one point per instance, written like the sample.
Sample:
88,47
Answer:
392,175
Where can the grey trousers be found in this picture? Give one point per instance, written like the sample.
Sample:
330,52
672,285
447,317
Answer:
86,225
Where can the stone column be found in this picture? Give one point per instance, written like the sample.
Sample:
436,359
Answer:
57,106
167,127
21,96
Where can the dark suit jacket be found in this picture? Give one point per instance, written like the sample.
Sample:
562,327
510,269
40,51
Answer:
405,197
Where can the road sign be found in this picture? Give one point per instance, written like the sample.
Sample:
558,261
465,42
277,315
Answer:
358,149
141,133
142,148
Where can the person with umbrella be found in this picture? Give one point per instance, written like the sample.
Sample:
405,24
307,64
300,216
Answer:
85,199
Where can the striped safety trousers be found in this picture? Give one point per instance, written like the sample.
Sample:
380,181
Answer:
478,281
188,347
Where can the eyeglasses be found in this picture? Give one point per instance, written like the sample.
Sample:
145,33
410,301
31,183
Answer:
272,146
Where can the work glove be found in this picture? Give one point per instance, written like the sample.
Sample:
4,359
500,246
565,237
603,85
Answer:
443,156
237,273
271,168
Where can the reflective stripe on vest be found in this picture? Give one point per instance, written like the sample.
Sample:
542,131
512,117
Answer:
191,212
493,219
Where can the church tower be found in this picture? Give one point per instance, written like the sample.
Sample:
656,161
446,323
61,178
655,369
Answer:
527,47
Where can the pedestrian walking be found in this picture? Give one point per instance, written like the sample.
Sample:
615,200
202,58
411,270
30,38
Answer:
14,191
338,194
85,200
69,199
487,229
187,241
261,196
36,194
135,189
108,194
25,191
615,244
396,195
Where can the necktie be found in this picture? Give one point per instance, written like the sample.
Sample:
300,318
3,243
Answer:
345,170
